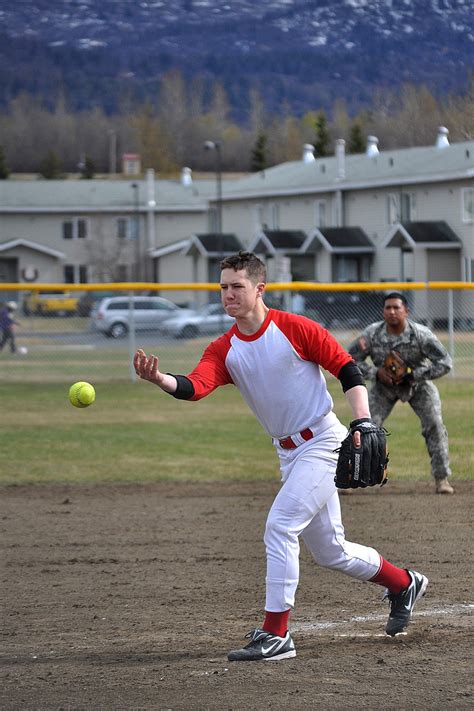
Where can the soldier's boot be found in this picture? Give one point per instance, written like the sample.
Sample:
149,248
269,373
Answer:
443,486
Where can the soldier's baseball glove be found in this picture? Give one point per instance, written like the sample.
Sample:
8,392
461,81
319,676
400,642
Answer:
396,367
365,465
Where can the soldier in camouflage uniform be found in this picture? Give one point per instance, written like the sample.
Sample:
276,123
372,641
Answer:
426,359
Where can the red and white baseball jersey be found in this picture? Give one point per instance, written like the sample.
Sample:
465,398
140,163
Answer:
277,370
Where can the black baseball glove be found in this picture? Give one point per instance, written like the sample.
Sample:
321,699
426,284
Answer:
365,465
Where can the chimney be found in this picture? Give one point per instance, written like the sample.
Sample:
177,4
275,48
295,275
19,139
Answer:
150,187
340,158
186,177
442,138
372,146
308,153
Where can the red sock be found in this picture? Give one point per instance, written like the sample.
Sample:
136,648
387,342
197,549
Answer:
391,577
276,623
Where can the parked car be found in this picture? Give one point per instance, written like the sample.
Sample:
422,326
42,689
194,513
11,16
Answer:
90,300
112,316
189,323
50,303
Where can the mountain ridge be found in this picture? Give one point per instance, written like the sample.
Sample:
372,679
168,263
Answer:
300,54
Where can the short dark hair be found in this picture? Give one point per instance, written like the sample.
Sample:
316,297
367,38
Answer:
249,261
396,295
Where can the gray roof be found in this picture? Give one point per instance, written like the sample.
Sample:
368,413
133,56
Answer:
414,235
279,241
397,167
102,194
430,232
6,245
214,244
407,165
341,240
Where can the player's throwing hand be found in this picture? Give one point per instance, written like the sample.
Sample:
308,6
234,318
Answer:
146,367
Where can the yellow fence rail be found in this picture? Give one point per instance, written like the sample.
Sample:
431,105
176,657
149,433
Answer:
63,338
273,286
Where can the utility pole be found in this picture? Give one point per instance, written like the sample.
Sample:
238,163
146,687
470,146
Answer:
136,231
112,151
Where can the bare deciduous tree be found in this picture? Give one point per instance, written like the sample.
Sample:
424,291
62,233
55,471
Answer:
107,252
169,133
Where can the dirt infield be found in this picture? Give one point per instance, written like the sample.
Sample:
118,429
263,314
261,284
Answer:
129,597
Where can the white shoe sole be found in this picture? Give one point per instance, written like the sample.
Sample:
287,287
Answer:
278,657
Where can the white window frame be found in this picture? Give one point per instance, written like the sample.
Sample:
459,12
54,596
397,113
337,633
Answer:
467,197
259,217
128,227
320,213
344,265
393,209
410,199
275,216
212,220
87,273
76,273
75,227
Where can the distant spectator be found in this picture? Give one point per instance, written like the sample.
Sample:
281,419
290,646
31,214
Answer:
8,325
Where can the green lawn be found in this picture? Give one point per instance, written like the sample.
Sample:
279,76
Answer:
134,432
70,352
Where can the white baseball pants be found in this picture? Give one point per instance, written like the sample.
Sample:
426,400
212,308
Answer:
308,505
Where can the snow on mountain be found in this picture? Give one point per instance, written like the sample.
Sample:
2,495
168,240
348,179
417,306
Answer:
295,51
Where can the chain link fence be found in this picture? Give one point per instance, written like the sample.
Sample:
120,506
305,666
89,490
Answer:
91,332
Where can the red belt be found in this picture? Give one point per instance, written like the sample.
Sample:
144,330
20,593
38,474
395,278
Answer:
289,443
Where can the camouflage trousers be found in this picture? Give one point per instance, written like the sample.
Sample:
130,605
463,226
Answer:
426,403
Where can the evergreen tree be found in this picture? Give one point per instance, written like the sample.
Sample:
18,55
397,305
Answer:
357,142
259,154
50,167
4,170
88,169
322,138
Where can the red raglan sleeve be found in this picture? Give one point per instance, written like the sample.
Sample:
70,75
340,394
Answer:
313,342
211,371
322,347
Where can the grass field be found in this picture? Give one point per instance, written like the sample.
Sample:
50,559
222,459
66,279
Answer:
65,349
135,433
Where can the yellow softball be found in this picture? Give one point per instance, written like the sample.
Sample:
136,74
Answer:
81,394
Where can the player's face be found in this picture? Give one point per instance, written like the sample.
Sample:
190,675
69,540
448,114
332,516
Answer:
395,312
239,294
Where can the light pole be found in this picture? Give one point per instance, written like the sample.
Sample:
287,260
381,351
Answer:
136,231
112,151
216,146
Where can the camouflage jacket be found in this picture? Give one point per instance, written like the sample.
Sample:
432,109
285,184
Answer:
417,345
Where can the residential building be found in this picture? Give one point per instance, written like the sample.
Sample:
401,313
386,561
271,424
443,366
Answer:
400,215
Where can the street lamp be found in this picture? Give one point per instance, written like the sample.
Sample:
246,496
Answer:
136,230
112,151
216,146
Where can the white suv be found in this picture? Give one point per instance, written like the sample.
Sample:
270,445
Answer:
112,316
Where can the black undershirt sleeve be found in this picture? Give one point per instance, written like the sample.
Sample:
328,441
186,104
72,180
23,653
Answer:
185,389
350,376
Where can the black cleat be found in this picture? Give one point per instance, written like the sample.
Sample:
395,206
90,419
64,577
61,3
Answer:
402,604
264,646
